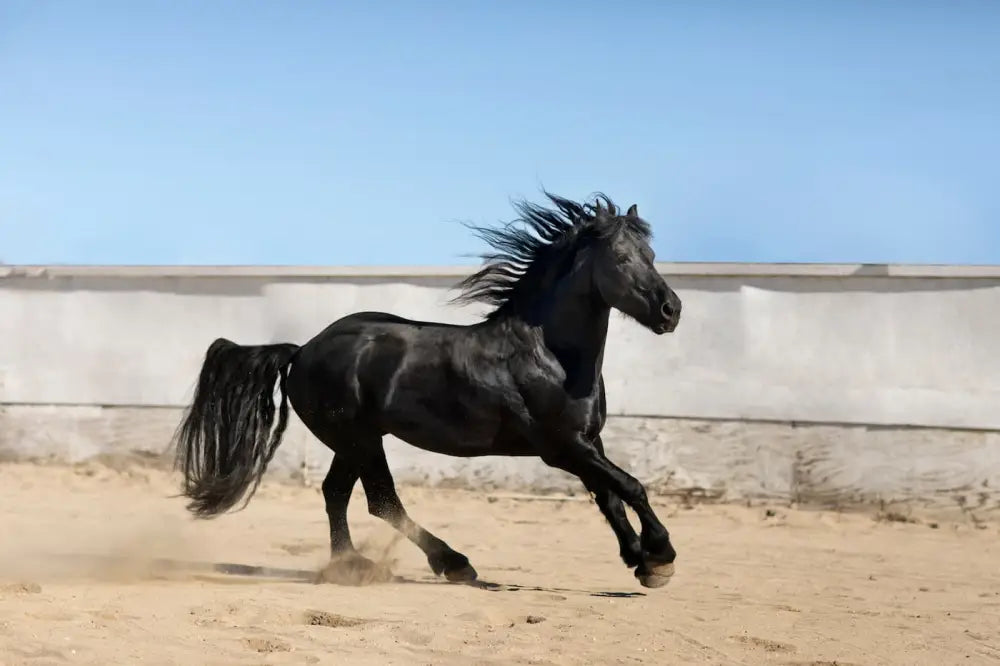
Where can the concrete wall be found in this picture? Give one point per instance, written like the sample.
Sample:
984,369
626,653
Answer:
836,382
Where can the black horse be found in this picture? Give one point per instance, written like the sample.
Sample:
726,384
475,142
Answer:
524,381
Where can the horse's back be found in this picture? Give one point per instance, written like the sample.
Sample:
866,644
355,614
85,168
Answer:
374,319
354,362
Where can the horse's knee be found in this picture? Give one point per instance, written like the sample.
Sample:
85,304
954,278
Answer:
633,491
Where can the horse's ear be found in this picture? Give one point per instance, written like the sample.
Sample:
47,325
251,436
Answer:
633,211
597,207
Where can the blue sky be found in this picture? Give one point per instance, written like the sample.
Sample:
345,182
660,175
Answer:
243,132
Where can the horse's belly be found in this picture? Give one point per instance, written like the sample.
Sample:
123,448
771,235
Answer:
437,409
442,441
468,439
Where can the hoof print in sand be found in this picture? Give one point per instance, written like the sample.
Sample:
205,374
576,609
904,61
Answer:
267,645
765,643
20,588
324,619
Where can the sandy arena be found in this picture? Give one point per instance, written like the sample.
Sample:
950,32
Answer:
80,582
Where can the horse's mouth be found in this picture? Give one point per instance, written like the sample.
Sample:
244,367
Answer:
667,326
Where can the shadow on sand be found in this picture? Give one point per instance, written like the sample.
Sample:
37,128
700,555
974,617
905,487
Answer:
165,567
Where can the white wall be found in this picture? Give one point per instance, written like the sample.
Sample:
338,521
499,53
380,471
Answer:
830,344
97,360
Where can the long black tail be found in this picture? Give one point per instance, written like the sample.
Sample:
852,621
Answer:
226,440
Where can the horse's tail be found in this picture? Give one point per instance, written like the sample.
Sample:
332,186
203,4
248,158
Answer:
226,441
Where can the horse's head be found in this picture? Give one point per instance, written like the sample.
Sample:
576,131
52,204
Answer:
590,249
625,276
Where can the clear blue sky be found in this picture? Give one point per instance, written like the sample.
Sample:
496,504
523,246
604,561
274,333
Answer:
240,131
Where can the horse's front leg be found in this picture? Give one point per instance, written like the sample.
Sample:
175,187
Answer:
629,545
583,459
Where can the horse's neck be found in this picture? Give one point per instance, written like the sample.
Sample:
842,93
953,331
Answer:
564,316
575,329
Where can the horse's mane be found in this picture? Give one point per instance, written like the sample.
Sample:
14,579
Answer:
533,241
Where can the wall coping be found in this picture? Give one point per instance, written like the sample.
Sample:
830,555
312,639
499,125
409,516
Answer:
701,269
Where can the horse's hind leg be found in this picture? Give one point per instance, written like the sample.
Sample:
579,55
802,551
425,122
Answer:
384,503
346,563
337,487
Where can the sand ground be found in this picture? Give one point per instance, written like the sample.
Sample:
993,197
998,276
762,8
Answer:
80,582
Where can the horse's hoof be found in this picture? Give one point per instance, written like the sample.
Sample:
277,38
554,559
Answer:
464,575
654,575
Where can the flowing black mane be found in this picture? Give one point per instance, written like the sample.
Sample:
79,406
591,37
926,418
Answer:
535,240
